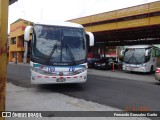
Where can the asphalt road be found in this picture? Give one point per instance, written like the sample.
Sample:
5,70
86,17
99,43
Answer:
19,75
114,92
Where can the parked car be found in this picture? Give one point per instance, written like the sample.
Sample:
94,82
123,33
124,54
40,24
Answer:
107,63
157,74
91,62
103,63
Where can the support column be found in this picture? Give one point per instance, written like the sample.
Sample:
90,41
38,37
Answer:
3,51
104,51
25,52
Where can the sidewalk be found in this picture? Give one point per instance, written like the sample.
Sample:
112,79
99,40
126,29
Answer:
22,64
31,99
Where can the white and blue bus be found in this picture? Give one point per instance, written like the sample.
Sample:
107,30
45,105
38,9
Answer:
58,52
140,58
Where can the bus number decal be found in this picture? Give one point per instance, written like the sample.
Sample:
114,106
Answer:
51,69
71,69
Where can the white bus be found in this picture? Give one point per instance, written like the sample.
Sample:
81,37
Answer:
58,52
140,58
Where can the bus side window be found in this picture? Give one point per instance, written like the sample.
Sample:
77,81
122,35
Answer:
153,53
157,53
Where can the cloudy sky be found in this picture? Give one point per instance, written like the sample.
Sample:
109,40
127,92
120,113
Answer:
35,10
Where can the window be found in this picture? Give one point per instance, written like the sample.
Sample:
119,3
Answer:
20,41
155,52
13,40
14,54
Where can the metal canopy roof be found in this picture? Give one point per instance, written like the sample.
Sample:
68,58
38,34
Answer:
135,36
129,26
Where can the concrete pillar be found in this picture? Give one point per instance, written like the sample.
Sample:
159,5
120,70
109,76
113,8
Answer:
3,51
25,52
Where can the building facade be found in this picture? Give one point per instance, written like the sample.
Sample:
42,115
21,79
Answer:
17,44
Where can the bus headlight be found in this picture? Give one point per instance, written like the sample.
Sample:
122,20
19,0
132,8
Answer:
144,65
103,64
80,71
34,69
38,70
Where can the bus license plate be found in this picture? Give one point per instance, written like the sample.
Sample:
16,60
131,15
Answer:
61,79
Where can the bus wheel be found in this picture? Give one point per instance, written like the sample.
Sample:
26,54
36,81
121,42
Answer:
151,70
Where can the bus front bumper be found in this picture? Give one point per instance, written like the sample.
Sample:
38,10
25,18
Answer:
135,69
37,78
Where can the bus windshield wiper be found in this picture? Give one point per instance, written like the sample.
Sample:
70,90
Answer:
54,48
132,57
70,52
135,59
129,59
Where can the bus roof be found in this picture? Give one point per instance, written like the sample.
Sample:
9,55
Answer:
59,23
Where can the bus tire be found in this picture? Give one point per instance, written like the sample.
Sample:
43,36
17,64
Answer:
151,70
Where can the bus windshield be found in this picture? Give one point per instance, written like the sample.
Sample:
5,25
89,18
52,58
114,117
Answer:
59,44
135,56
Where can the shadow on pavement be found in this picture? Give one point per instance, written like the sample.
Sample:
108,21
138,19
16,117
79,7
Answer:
63,87
158,83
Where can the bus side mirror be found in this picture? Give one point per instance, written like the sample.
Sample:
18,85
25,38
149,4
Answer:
27,33
122,53
91,38
147,52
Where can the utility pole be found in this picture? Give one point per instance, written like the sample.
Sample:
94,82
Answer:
3,51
